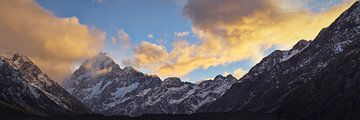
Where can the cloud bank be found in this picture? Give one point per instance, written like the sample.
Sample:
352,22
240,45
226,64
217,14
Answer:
235,30
51,42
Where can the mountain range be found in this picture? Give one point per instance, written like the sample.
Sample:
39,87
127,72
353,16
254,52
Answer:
108,89
317,79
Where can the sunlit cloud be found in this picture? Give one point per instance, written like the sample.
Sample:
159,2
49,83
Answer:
235,30
238,73
53,43
149,54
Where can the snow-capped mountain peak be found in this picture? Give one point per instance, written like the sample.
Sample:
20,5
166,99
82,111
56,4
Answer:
130,69
99,61
129,92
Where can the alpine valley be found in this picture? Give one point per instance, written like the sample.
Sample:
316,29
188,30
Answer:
315,80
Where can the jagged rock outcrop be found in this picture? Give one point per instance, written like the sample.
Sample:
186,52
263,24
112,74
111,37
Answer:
25,88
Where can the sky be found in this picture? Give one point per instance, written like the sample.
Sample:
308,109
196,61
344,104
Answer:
190,39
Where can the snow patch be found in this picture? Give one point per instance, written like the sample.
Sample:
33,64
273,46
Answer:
144,92
291,53
201,103
187,95
31,89
96,90
121,91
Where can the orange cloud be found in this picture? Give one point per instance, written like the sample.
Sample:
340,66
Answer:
238,73
229,33
148,54
53,43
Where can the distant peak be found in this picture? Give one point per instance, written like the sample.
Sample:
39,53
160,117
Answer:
227,77
102,55
219,77
8,53
230,76
14,56
130,69
100,60
172,80
301,44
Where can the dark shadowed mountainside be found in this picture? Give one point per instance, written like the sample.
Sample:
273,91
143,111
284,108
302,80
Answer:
313,80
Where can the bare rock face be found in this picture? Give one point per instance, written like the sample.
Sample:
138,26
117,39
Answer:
313,80
25,88
108,89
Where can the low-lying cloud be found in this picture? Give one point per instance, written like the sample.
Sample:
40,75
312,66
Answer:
51,42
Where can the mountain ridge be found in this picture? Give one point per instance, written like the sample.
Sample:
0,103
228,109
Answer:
286,87
318,79
24,87
126,91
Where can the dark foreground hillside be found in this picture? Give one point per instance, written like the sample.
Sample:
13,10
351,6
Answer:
8,113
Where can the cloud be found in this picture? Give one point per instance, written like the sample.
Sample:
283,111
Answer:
97,1
236,30
150,36
181,34
226,73
238,73
148,54
204,14
123,38
311,5
113,40
94,68
51,42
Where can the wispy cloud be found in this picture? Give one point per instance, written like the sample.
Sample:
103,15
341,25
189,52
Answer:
123,38
181,34
97,1
150,36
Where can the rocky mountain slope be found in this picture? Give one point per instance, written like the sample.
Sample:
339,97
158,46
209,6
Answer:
313,80
25,88
108,89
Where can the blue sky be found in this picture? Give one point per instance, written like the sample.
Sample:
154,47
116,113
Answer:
161,18
139,18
